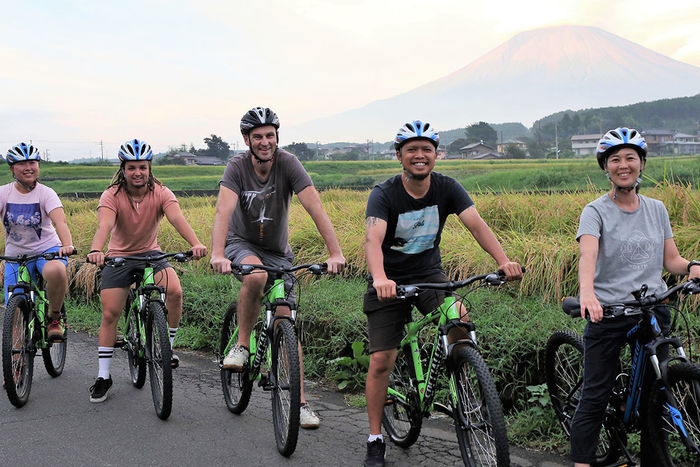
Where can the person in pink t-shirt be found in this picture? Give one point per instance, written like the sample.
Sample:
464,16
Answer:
35,223
131,209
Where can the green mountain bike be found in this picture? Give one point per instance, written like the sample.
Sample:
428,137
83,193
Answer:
474,403
276,368
24,332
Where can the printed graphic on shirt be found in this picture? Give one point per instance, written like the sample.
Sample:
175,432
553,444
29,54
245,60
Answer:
416,231
253,205
637,250
22,221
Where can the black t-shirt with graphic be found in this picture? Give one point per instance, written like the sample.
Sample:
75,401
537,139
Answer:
411,246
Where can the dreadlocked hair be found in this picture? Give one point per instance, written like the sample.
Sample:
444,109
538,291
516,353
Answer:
119,180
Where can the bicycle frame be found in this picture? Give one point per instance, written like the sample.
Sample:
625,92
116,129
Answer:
143,294
38,303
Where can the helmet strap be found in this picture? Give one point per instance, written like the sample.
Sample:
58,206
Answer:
625,189
26,187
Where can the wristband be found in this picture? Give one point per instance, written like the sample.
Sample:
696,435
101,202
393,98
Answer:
693,263
95,251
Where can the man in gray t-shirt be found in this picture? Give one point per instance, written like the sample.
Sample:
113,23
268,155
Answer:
251,224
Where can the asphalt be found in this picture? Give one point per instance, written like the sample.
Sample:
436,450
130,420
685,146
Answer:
60,426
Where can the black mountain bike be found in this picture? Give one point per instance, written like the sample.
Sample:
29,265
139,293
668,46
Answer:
672,401
25,331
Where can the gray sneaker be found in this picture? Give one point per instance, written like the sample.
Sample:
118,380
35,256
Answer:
236,358
307,418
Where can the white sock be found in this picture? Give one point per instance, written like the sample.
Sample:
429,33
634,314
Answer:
172,332
374,437
105,360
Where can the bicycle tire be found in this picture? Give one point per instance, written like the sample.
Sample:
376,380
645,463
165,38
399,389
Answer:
54,354
402,420
285,380
17,353
684,384
135,352
564,373
478,414
159,357
236,386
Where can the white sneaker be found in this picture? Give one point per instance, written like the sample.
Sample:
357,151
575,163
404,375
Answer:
236,358
307,418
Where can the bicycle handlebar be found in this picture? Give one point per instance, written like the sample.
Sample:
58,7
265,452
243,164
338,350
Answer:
411,290
180,257
572,305
47,256
245,269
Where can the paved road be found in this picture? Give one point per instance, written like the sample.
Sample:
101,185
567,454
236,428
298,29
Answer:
60,426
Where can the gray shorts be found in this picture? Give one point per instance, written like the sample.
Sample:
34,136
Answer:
238,250
123,276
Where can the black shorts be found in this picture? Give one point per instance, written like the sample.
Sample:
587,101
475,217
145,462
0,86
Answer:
238,250
386,318
123,276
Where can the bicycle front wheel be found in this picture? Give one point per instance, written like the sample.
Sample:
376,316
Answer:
286,387
236,386
402,417
478,414
159,360
134,350
564,370
54,354
673,417
17,353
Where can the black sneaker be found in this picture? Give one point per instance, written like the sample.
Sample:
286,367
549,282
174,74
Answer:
375,453
174,361
98,391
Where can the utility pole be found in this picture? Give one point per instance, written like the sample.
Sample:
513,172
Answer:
102,151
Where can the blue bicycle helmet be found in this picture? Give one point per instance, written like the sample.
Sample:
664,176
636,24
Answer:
135,150
22,152
617,139
413,130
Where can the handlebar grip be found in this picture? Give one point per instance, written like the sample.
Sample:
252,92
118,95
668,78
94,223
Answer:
571,306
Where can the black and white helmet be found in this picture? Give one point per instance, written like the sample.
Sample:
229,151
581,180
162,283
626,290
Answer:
413,130
22,152
617,139
258,116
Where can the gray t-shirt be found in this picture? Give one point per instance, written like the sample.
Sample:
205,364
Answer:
262,214
631,246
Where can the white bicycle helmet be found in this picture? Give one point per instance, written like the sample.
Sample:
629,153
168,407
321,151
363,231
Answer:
135,150
413,130
620,138
22,152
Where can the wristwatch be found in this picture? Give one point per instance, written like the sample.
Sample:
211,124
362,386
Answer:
693,263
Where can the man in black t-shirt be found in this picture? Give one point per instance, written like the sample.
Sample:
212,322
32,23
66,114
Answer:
404,220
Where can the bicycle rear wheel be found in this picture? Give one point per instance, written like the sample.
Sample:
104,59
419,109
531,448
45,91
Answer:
564,369
478,414
402,418
134,350
17,352
54,354
159,357
664,416
286,387
236,387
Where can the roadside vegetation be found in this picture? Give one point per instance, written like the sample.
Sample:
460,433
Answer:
513,323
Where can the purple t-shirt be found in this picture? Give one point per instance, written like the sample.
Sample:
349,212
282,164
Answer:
28,228
262,214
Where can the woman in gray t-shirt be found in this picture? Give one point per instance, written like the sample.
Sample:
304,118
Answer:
625,241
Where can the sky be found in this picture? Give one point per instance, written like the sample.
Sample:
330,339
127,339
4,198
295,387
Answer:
78,78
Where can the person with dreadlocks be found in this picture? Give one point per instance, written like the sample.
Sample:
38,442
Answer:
251,225
35,223
625,241
131,209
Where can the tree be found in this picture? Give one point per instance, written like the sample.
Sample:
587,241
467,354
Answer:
216,147
481,131
302,151
454,146
512,151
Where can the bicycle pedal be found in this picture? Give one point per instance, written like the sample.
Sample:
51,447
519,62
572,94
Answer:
119,343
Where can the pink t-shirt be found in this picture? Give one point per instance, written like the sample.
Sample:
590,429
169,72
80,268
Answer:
28,228
136,227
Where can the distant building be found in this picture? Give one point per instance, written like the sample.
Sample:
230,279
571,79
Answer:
501,147
474,150
584,145
192,159
657,140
